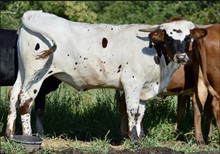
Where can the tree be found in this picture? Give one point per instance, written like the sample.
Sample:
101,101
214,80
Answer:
11,12
114,12
156,12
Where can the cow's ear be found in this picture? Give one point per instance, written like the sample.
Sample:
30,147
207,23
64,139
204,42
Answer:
198,33
157,36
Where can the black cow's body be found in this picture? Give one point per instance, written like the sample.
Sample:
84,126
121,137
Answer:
8,57
9,69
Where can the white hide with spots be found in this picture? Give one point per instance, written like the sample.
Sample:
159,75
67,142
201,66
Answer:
87,56
178,30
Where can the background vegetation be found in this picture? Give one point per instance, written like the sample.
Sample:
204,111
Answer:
93,115
114,12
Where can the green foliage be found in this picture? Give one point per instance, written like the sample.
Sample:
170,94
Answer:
155,12
115,12
11,148
79,11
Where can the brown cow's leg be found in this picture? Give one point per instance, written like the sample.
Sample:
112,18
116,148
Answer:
208,115
123,116
199,99
181,107
216,111
197,120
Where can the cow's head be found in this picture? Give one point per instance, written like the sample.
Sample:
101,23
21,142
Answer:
174,38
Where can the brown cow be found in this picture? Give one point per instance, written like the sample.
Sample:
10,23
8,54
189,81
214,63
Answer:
206,67
182,84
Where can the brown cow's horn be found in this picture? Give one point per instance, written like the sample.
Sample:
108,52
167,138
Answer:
204,26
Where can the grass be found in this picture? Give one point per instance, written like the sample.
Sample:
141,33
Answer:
89,122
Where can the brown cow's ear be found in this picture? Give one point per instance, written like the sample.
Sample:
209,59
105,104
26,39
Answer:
198,33
157,36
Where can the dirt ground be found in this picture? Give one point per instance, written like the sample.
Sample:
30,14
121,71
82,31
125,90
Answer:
155,150
66,144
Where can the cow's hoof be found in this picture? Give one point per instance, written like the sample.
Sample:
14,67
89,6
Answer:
40,135
137,145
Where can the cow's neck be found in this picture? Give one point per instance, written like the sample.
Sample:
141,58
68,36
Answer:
166,71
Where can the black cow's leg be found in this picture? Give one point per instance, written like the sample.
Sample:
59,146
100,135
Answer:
39,110
50,84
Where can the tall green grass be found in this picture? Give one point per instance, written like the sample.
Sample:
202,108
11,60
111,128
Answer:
93,116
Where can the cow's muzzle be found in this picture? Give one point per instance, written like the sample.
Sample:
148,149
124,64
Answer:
181,58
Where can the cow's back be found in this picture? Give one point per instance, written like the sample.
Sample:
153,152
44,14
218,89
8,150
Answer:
8,57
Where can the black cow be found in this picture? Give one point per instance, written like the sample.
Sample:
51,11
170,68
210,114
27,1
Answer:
9,69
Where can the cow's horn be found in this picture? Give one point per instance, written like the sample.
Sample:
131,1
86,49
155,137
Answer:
204,26
150,29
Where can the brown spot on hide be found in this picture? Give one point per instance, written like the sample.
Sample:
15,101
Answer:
137,115
9,111
10,132
104,42
25,108
19,96
9,93
177,30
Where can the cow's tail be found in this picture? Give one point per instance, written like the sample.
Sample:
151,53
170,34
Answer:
36,22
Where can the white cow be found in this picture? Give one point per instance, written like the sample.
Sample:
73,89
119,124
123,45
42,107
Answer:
95,56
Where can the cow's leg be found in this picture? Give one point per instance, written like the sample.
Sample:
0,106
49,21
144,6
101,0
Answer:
123,115
50,84
132,97
216,111
26,98
39,110
141,111
208,116
199,99
181,108
13,106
